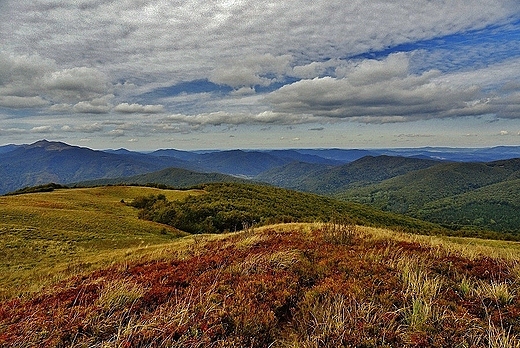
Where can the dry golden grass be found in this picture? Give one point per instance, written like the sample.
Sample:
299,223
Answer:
298,285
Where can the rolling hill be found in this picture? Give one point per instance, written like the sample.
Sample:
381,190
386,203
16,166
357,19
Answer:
48,235
494,207
227,206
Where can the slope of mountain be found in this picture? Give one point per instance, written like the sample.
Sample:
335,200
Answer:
328,179
227,206
172,177
290,285
184,155
449,189
239,162
494,207
8,148
301,156
45,235
44,162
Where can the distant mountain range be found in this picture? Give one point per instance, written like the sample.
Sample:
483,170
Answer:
315,170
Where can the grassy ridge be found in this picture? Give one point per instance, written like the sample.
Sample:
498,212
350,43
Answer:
44,234
112,279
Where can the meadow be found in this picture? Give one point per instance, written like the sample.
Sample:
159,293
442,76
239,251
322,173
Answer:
46,236
321,284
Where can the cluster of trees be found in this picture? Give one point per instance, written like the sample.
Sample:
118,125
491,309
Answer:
231,206
40,188
223,208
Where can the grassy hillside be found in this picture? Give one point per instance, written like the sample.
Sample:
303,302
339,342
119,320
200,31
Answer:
47,235
494,207
446,193
285,286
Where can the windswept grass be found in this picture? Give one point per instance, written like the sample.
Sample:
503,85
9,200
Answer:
282,286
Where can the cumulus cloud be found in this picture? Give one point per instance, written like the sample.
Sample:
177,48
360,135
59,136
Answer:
42,129
252,70
91,128
76,84
95,106
31,81
377,91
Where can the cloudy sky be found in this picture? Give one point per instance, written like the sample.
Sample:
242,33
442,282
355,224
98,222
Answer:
198,74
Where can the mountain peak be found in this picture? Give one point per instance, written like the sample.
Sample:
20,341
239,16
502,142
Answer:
48,145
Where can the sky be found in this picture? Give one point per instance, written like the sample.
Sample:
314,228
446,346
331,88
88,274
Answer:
227,74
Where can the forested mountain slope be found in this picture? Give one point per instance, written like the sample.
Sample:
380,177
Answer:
327,179
447,193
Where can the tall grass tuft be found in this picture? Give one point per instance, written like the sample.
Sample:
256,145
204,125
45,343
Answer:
498,337
340,231
420,290
500,292
336,320
119,294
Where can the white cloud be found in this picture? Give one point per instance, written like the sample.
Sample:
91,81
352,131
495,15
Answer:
137,108
30,81
220,118
76,83
89,128
252,70
16,102
116,133
378,91
42,129
11,131
95,106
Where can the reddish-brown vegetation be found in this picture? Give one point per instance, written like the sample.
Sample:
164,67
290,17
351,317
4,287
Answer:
278,289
